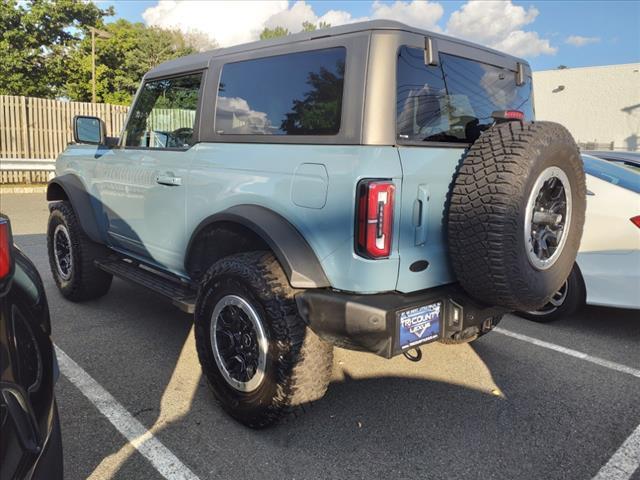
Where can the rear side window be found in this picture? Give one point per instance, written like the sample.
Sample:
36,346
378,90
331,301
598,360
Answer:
453,101
292,94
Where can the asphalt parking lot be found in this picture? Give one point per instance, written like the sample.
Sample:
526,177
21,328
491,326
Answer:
504,407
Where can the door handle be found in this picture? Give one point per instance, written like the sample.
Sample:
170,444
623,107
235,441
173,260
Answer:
421,209
169,180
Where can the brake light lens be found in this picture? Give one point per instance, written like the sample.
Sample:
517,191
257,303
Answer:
508,115
374,223
636,220
5,248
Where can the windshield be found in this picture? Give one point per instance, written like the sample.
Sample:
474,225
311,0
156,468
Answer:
453,101
610,172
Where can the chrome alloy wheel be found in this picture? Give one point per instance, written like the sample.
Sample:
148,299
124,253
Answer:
62,252
554,303
547,218
239,343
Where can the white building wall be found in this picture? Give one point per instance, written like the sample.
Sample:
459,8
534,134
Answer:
597,104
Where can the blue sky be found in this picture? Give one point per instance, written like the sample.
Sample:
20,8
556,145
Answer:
547,33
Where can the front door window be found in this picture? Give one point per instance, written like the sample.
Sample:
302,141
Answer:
164,114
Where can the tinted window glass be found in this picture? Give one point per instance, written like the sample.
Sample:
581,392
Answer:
293,94
453,101
164,113
609,172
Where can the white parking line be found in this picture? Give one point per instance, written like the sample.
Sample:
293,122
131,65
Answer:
572,353
165,462
626,460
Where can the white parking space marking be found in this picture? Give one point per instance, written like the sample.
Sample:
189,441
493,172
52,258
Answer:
572,353
165,462
624,462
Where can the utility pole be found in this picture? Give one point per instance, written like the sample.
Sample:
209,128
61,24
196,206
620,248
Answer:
101,34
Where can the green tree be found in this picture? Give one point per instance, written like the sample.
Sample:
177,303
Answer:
319,111
269,33
277,32
312,27
36,41
124,58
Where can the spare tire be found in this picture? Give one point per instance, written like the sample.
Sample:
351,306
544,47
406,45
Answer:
516,214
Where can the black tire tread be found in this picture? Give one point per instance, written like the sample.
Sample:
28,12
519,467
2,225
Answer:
306,361
482,217
88,282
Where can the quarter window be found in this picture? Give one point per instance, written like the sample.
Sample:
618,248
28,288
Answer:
292,94
164,113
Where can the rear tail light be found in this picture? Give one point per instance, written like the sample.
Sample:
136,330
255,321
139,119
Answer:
374,222
636,220
5,248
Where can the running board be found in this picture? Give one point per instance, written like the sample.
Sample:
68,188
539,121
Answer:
166,285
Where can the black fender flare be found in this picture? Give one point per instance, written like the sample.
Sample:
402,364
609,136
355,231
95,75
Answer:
69,187
297,258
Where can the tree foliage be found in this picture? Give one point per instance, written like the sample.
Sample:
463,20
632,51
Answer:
46,50
36,41
319,111
277,32
269,33
124,58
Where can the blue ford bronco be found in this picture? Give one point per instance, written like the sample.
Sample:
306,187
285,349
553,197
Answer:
371,186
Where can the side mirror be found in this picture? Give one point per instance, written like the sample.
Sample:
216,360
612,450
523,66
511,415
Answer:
90,130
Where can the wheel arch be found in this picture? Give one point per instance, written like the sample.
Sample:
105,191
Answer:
250,227
70,188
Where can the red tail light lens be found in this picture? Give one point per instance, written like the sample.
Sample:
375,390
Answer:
374,223
636,220
5,248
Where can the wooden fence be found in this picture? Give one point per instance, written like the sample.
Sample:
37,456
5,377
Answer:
41,128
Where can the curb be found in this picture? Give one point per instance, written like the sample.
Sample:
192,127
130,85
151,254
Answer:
12,190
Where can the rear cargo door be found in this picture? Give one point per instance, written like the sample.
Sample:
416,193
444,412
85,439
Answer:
441,110
427,173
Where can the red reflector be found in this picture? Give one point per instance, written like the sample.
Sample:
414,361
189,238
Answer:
636,220
5,250
375,218
508,115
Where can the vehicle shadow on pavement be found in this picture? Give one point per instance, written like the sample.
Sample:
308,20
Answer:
408,427
433,419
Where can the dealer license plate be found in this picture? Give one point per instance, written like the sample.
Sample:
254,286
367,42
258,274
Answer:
419,325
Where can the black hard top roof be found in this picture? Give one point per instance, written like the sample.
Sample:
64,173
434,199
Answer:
200,61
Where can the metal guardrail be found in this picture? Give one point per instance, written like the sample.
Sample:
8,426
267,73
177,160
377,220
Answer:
27,164
26,171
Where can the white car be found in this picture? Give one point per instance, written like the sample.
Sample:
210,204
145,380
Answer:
607,269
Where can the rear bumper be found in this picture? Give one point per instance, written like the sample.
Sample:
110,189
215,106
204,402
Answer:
371,322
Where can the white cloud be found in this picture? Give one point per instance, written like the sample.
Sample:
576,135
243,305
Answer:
292,18
498,24
421,14
227,22
579,41
300,12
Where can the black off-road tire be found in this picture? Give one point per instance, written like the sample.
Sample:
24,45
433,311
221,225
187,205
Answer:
299,363
573,299
86,281
486,215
